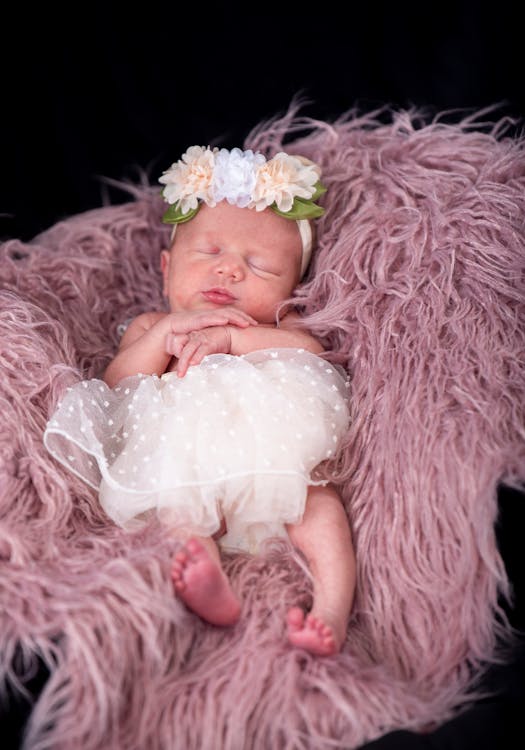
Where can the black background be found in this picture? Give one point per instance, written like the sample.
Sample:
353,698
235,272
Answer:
109,90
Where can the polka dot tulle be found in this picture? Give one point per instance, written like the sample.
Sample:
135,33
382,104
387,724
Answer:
237,438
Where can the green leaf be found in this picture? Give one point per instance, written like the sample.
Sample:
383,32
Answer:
175,216
301,209
319,190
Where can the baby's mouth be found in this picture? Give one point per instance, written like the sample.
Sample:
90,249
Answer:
219,296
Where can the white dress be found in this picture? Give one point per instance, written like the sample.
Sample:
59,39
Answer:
237,439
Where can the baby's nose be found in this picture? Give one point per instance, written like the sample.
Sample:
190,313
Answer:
229,266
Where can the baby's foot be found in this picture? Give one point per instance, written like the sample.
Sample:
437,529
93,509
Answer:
202,585
311,633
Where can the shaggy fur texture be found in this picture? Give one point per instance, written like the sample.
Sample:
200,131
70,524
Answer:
417,287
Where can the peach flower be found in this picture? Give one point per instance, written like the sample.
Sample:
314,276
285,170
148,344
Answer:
282,179
190,179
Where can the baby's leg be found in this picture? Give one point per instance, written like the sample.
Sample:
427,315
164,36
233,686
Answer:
202,584
324,537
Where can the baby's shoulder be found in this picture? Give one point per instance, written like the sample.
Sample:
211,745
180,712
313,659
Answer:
139,325
146,320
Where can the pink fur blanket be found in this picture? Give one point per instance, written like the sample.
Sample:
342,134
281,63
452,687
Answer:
418,287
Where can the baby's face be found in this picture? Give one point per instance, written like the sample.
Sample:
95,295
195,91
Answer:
229,256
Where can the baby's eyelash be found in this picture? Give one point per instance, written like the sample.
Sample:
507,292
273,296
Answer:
256,266
262,269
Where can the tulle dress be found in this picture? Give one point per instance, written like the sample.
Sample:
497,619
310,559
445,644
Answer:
237,438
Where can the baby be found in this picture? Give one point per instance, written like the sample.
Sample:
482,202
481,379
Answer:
214,415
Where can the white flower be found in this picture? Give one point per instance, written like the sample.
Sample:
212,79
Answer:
190,179
244,179
235,175
282,179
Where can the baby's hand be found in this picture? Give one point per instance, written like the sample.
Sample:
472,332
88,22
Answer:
191,348
185,322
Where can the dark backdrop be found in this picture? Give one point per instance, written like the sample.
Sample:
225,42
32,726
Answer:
110,90
116,87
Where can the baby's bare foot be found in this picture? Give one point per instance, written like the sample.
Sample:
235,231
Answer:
202,585
311,633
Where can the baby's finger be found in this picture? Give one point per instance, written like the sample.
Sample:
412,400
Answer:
182,324
209,320
240,318
186,356
202,351
224,317
198,355
175,342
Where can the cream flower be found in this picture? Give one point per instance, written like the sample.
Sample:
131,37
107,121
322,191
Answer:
190,179
289,185
282,179
234,176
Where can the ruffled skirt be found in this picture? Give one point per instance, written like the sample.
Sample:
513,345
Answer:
236,439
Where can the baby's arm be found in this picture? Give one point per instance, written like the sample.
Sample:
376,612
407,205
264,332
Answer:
253,338
191,349
139,349
143,346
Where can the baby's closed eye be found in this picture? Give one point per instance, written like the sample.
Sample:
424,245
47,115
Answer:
262,267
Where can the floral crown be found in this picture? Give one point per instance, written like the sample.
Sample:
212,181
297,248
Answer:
289,185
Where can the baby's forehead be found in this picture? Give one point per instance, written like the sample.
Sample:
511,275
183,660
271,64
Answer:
230,223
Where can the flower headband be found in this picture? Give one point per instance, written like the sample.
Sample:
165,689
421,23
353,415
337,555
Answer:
289,185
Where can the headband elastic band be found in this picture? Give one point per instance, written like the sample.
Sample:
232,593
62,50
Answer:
305,230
